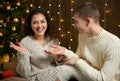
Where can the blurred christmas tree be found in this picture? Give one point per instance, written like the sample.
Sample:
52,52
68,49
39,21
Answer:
12,18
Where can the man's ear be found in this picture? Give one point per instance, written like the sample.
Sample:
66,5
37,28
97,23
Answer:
88,21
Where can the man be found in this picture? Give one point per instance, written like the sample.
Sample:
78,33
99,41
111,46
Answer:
98,50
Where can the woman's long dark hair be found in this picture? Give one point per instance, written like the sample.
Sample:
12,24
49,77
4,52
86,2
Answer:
27,28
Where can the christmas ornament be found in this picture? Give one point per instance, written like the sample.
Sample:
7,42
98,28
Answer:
22,20
1,25
16,20
7,20
14,28
1,20
4,58
27,11
8,7
1,6
4,24
18,3
1,33
2,44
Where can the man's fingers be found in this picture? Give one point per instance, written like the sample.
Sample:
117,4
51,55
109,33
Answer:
49,51
53,46
67,62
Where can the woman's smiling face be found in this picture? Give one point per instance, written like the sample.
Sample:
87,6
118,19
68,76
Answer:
39,24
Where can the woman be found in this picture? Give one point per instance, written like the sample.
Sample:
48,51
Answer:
33,62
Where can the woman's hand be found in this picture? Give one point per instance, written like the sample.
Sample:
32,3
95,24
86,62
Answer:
19,47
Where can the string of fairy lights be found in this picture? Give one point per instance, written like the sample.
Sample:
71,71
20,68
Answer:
60,20
105,12
71,21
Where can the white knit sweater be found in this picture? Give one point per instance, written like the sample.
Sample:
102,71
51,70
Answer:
100,57
35,64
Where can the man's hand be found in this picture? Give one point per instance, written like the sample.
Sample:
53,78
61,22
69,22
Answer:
71,61
60,58
57,50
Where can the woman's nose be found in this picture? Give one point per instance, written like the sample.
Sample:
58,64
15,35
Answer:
39,24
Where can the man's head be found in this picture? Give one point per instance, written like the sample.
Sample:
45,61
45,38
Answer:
86,15
87,9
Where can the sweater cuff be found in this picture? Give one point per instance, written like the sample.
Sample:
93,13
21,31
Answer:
26,54
69,53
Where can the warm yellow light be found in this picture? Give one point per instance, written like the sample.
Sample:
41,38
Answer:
1,34
71,39
58,12
73,24
106,4
31,5
39,6
107,11
59,42
119,25
51,19
1,21
62,35
27,11
68,32
61,20
59,29
18,3
59,5
16,20
48,11
69,47
103,20
13,55
71,9
5,24
1,46
72,1
50,5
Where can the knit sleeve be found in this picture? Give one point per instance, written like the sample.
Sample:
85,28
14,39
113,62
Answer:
55,41
107,72
69,53
24,66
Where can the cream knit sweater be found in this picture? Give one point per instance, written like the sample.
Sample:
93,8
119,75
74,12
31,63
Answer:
100,57
35,64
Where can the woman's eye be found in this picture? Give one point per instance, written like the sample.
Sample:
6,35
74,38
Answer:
34,22
42,21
